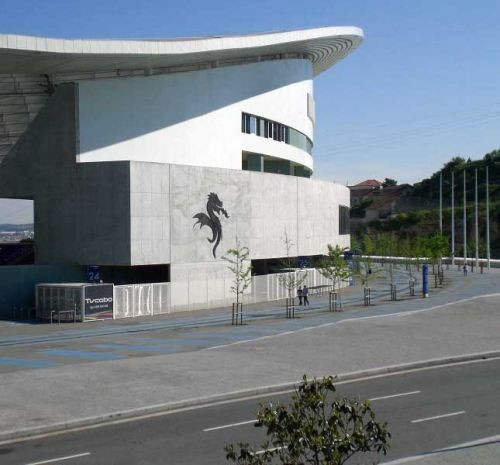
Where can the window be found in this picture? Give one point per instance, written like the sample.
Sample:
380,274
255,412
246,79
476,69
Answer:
262,127
344,227
253,125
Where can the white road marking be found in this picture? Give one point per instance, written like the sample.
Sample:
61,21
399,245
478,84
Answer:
394,395
446,415
60,459
231,425
267,392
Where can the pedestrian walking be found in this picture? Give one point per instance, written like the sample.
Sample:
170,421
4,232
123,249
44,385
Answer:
465,270
305,295
299,295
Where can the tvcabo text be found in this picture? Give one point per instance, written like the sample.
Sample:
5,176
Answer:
103,300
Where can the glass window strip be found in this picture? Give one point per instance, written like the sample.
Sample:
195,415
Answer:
262,127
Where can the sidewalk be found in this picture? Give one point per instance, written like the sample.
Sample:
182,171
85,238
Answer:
25,332
280,353
484,452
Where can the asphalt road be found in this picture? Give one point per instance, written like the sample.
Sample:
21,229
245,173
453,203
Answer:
425,409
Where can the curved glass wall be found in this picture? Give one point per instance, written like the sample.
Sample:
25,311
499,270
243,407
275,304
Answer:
266,164
251,124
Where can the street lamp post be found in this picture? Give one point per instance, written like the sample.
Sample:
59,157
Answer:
441,203
452,218
488,257
476,228
465,223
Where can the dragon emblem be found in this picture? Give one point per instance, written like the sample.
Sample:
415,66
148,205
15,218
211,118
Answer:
212,220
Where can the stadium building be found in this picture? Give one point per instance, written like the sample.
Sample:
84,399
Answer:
146,158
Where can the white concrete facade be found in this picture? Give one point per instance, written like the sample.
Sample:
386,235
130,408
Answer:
122,158
194,118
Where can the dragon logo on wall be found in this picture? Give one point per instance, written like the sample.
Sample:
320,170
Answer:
212,220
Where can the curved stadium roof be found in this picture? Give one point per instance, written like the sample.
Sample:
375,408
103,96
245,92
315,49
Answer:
30,67
37,55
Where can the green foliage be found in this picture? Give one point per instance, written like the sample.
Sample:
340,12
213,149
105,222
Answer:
364,263
429,187
365,269
315,428
334,267
437,247
359,210
240,266
368,247
389,182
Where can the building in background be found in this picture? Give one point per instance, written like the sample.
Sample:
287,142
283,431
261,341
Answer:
148,158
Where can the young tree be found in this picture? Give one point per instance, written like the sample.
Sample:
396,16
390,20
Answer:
240,266
419,250
290,279
383,246
334,267
316,428
437,246
405,251
367,245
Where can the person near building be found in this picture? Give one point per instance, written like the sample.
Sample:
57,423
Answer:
305,295
299,295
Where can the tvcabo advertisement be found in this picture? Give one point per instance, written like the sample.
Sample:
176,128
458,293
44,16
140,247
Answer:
98,299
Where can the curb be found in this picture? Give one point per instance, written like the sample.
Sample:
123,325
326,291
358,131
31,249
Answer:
201,402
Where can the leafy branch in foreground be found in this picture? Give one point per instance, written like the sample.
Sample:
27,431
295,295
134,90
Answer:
315,428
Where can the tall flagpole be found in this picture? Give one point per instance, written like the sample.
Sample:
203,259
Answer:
476,229
487,219
452,217
465,223
441,203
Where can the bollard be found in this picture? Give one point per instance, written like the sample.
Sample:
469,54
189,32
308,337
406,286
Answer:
367,296
425,280
237,314
332,302
393,292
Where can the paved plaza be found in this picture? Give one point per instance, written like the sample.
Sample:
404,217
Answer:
61,375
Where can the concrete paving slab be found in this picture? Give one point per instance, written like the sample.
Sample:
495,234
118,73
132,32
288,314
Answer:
35,398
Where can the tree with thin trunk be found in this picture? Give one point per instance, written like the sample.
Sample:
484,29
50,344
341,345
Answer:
316,428
239,264
334,267
365,268
290,278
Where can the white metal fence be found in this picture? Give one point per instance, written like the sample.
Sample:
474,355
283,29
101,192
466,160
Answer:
269,287
134,300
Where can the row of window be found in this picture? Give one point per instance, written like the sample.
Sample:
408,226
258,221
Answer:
344,220
262,127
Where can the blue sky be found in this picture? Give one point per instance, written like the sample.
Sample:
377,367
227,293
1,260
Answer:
423,87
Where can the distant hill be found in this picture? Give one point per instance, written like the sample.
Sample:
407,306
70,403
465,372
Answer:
429,188
416,213
16,227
